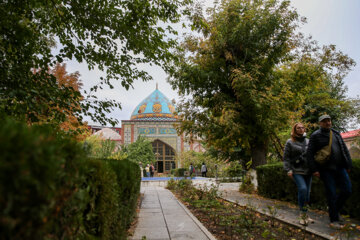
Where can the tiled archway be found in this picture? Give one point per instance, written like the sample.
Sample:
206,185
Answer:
164,155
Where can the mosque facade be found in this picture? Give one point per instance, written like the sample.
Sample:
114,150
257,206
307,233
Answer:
154,118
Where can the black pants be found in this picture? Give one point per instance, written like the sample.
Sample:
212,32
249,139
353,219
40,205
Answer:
333,179
203,174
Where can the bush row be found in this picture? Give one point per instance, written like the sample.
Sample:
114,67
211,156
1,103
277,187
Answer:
50,190
178,172
273,182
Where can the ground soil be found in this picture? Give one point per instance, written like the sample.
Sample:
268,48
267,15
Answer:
259,226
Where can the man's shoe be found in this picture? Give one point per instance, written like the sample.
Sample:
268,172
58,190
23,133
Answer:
310,220
336,225
303,222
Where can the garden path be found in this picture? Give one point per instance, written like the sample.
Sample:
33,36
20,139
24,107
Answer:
283,211
163,217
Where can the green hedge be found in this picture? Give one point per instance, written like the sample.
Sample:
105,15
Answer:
50,190
128,179
178,172
273,182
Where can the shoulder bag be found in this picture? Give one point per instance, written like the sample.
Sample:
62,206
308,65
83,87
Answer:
323,155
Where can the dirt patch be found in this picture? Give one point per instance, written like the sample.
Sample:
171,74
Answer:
229,221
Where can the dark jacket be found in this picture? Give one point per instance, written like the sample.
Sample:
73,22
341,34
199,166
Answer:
295,156
318,140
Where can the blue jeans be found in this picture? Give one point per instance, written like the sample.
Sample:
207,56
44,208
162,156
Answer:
147,174
303,183
332,179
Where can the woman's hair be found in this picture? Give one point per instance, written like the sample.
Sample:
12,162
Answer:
293,131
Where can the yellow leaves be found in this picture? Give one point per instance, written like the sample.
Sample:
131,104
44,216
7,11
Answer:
228,56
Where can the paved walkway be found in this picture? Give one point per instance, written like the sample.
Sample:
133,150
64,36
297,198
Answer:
283,211
162,217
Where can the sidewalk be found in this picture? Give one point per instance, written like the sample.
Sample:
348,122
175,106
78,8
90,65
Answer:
284,211
163,217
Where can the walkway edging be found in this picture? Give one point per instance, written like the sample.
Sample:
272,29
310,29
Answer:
200,225
320,234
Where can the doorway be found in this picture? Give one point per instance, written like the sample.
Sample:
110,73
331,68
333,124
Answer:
164,155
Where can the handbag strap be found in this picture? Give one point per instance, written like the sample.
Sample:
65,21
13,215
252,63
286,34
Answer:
330,141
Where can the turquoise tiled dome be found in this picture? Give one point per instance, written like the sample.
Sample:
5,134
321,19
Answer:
155,107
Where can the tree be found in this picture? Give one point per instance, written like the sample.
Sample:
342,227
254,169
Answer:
140,151
71,124
111,35
99,148
249,72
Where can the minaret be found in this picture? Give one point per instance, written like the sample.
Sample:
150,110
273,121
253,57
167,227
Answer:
157,88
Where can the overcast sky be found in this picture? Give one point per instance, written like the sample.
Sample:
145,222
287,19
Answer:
328,21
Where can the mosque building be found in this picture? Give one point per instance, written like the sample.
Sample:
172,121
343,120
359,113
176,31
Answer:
154,119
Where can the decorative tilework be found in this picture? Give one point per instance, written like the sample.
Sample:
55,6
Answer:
146,130
167,131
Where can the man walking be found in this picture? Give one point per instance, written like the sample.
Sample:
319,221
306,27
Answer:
332,167
203,170
152,170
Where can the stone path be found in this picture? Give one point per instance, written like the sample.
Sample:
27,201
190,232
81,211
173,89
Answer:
283,211
162,217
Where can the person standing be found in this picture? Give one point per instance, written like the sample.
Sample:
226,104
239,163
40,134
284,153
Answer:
329,159
191,169
147,170
296,166
152,170
203,170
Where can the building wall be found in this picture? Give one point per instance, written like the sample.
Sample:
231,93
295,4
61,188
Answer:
352,144
162,130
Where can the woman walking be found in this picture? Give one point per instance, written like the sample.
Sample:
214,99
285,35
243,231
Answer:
296,166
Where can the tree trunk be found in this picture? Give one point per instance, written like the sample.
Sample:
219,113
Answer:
258,153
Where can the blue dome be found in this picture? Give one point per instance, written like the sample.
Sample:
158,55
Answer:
155,107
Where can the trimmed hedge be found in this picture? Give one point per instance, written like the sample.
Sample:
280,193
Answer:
50,190
128,180
273,182
178,172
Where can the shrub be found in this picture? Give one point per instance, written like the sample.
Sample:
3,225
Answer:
274,183
113,187
352,205
39,177
50,190
247,186
178,172
185,158
128,179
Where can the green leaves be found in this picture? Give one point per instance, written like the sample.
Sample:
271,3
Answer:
111,35
250,75
140,151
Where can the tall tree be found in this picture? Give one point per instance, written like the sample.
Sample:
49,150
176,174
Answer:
71,124
248,73
140,151
111,35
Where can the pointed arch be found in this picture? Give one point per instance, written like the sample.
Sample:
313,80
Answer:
164,155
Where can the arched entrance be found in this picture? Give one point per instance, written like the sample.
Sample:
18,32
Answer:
164,155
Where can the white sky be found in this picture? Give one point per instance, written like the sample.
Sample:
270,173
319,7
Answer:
328,21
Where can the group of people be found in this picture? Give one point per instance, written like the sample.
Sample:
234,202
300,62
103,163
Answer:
150,170
203,170
324,155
